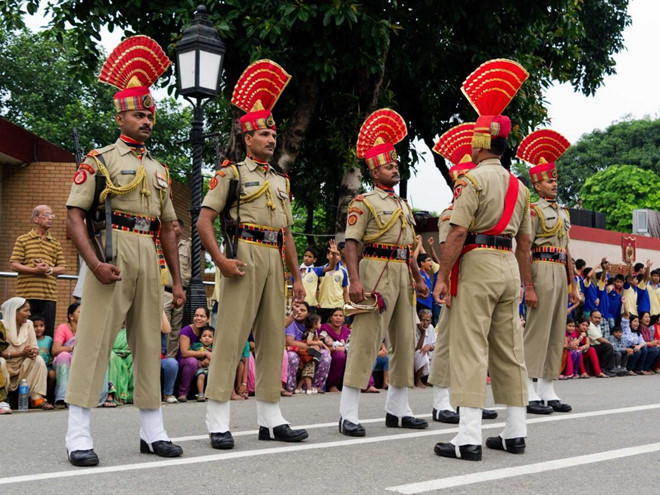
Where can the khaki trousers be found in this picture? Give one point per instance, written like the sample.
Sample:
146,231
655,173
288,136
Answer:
175,317
546,323
254,302
439,374
369,329
136,301
485,331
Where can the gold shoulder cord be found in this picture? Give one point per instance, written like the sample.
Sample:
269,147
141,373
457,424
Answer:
248,198
110,188
383,228
557,230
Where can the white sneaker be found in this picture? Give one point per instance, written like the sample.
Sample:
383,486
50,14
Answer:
170,399
298,391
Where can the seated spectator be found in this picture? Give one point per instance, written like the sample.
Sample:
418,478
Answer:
620,350
311,356
63,344
120,370
241,390
652,345
335,334
572,352
383,364
169,368
205,344
189,360
602,346
45,344
20,359
5,408
294,330
634,341
588,353
426,337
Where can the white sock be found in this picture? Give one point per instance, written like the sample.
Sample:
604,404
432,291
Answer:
531,390
441,399
217,416
151,426
547,389
349,403
78,435
469,427
516,422
396,402
269,414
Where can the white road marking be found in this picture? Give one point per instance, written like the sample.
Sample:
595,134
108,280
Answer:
298,447
498,474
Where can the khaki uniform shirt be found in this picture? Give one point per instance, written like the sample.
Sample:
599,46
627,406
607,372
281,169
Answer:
370,219
479,200
444,224
122,165
184,264
550,224
264,195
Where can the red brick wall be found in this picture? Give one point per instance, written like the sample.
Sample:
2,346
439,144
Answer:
24,187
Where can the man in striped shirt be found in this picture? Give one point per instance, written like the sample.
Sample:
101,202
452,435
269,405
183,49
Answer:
38,259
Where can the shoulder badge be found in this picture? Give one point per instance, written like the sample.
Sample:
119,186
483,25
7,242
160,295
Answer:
359,197
225,164
87,167
352,219
355,209
213,183
459,184
80,177
532,212
93,153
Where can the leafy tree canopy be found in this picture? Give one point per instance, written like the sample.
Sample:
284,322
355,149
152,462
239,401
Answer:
635,142
618,190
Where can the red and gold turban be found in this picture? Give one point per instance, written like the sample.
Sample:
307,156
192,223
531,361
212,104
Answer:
490,89
378,135
134,65
542,148
455,145
256,93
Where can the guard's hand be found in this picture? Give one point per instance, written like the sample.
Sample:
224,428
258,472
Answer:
356,292
530,296
107,273
298,291
231,268
178,296
422,289
441,293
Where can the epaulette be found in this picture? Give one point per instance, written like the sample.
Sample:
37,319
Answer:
93,153
359,197
225,164
100,151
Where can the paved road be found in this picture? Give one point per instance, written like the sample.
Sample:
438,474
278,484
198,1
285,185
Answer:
610,443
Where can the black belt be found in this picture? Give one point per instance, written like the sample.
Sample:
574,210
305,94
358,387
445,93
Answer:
261,236
494,241
557,257
135,223
394,253
169,289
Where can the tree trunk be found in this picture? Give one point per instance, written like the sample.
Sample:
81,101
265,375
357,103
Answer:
298,123
350,187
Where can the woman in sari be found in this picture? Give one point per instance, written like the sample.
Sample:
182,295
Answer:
120,368
20,357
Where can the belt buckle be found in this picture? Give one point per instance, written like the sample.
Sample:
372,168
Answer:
142,224
401,253
270,236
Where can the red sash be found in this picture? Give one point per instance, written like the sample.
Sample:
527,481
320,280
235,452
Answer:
510,200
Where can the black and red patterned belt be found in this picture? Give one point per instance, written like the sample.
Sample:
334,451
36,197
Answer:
383,251
136,224
259,234
549,253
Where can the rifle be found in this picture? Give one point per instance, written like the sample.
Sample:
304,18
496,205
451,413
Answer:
93,224
228,224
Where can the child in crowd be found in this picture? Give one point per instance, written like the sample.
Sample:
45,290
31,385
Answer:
589,353
45,344
205,344
310,356
572,350
620,350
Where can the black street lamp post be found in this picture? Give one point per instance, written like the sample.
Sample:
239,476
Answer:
200,55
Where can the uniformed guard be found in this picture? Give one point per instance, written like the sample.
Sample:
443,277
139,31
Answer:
552,271
136,218
256,197
382,224
490,207
455,146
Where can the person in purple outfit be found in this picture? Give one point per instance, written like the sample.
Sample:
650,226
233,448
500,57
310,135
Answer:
339,333
189,360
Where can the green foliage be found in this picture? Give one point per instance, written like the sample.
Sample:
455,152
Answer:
36,94
635,142
618,190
